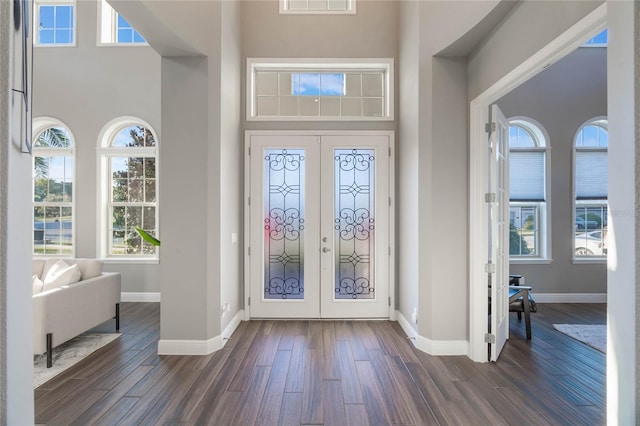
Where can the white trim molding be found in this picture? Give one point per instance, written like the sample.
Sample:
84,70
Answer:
200,347
570,297
433,347
140,297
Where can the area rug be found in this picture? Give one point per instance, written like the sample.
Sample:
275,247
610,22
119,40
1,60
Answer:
68,354
594,335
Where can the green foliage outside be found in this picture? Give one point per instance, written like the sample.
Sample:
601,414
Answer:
529,223
517,245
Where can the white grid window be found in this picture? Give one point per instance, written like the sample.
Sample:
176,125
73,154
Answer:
54,23
527,190
311,7
315,91
53,187
114,29
590,188
129,163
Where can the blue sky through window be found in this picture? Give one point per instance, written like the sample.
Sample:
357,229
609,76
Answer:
126,33
599,39
55,24
316,84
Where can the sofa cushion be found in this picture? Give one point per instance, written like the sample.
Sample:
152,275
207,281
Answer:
89,268
37,284
61,274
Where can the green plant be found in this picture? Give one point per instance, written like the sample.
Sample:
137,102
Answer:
148,237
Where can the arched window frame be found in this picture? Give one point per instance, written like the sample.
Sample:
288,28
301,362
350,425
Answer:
593,238
106,152
40,125
540,207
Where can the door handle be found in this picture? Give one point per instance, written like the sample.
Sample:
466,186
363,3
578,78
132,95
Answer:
325,249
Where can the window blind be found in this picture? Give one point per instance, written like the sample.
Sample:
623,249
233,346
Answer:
591,175
526,176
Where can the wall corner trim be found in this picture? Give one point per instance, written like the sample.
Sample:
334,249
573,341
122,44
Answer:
200,347
433,347
139,297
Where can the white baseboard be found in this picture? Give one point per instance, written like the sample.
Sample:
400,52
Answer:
139,297
432,347
200,347
570,297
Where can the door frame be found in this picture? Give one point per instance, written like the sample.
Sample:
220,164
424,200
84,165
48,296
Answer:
557,49
247,191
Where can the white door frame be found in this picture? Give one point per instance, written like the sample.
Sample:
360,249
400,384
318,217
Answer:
247,190
557,49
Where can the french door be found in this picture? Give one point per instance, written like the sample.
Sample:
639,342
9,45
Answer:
319,225
499,231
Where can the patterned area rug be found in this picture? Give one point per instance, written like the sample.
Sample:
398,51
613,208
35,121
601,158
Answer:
590,334
68,354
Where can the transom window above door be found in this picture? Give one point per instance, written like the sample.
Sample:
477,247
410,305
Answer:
317,7
320,90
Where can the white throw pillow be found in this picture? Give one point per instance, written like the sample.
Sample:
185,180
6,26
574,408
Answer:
37,284
61,274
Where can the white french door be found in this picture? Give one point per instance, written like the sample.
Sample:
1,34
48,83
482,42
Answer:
319,225
499,230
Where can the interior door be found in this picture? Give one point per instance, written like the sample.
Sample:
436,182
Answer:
319,226
498,263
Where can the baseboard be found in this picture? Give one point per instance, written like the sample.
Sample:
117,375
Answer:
139,297
570,297
200,347
432,347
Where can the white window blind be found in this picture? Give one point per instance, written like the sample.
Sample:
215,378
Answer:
526,170
591,175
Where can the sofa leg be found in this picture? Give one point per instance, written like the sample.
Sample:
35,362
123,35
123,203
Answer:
117,317
49,350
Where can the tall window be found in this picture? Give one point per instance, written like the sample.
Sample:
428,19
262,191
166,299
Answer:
527,190
54,22
590,186
114,29
129,163
52,190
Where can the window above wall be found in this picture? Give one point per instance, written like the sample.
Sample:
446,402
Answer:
317,7
113,29
319,90
54,23
599,40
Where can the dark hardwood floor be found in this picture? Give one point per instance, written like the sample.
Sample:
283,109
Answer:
332,373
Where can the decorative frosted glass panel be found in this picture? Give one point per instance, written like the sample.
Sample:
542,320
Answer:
284,223
317,6
354,223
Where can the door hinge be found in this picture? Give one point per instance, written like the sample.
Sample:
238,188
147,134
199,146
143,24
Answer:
389,151
490,338
389,300
248,301
389,201
249,151
249,200
249,251
490,127
490,197
490,268
389,250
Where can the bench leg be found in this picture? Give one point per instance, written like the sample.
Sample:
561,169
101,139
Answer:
117,317
49,350
527,316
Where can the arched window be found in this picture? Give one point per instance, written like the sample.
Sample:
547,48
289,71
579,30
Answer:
528,157
590,189
53,183
129,188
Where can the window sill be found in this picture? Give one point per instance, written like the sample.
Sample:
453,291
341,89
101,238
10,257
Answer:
122,44
131,260
48,45
536,261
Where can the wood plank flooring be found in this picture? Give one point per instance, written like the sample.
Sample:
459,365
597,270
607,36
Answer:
331,373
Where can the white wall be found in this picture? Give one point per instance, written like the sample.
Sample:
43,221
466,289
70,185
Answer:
622,276
85,87
562,98
16,398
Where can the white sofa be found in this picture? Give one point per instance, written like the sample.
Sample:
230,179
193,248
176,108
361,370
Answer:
63,311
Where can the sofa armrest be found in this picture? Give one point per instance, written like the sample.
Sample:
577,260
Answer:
73,309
